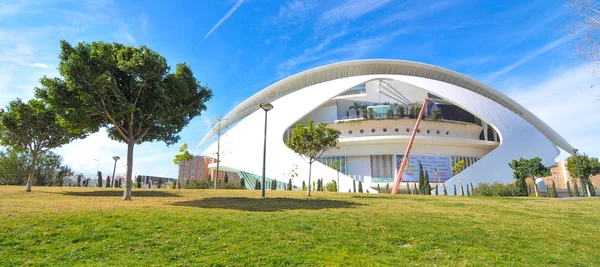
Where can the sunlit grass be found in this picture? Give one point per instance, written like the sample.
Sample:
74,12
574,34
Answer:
91,226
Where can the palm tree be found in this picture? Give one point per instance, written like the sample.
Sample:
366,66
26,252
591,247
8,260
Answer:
356,106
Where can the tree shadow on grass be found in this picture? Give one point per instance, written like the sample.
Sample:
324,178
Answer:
267,204
134,194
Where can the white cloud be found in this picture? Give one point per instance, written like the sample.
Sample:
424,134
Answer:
568,103
223,19
149,158
531,55
351,10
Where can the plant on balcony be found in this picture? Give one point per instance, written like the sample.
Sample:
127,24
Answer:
390,113
412,112
365,114
357,106
401,111
371,113
436,114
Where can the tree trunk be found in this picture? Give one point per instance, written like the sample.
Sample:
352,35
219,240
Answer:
128,181
587,186
309,173
31,171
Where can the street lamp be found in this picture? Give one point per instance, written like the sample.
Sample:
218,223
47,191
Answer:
116,158
578,171
266,107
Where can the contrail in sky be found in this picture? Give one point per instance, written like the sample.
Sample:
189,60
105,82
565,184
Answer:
223,19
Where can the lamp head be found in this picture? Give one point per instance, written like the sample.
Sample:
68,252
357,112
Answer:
116,158
266,106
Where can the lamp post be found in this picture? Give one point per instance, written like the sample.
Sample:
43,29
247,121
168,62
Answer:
116,158
578,171
266,107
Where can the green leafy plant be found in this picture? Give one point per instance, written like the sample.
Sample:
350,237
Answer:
569,192
360,187
436,114
311,141
331,186
129,90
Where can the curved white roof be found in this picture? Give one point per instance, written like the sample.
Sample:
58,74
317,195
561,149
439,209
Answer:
383,66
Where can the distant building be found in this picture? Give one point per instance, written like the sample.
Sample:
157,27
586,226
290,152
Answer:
153,181
560,176
197,169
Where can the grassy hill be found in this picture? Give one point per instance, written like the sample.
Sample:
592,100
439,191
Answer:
163,227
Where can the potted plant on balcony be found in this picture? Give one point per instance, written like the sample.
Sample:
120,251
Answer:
356,106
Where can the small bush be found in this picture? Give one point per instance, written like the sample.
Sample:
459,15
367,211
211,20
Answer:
436,114
569,189
387,188
390,113
445,191
331,186
206,184
496,189
303,186
360,189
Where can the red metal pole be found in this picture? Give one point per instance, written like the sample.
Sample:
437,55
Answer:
404,162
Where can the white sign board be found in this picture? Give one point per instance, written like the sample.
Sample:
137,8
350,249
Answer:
431,164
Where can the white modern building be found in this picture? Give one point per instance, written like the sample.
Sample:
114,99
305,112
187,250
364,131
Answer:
479,125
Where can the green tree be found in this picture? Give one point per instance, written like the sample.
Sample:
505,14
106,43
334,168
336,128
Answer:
587,167
311,141
50,170
427,187
138,181
129,90
32,127
436,114
421,178
331,186
458,168
356,106
528,168
14,166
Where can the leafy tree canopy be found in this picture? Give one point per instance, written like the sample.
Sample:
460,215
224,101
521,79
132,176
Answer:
311,141
127,89
184,154
587,166
34,128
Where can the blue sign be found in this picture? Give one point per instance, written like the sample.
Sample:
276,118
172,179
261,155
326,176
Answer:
431,164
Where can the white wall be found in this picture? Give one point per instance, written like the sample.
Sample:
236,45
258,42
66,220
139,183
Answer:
359,168
321,114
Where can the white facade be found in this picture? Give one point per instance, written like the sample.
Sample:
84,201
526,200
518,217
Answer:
492,129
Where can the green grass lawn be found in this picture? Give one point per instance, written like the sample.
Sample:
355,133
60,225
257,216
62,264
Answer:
163,227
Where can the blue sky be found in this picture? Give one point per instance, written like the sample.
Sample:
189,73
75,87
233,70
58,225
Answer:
521,48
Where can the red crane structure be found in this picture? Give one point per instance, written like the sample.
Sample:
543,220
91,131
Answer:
404,162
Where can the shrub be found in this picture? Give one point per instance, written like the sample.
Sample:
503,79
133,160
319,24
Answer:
371,113
390,113
455,193
468,192
207,184
331,186
436,114
289,185
138,181
360,189
365,115
569,192
242,183
304,186
378,188
576,189
401,112
387,188
436,190
416,190
353,186
554,193
495,189
445,191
